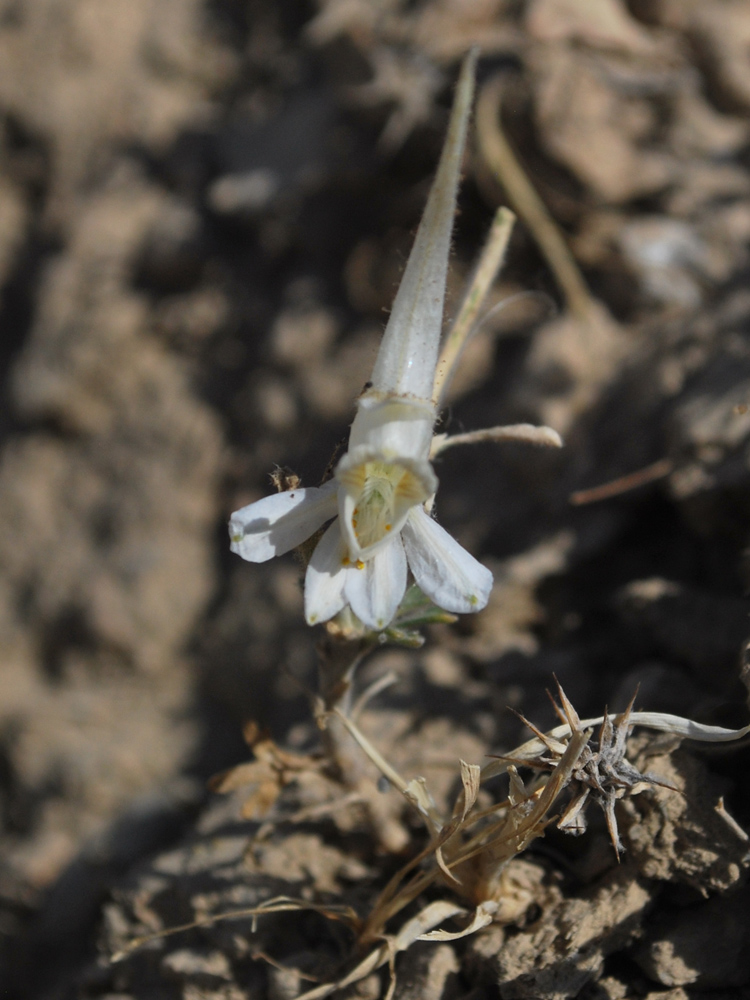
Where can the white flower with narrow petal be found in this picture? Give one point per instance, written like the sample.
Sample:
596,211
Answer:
381,485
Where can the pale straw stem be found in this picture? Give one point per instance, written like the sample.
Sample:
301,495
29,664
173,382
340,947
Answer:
503,163
525,433
487,270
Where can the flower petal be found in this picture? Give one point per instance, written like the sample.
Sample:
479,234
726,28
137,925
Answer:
276,524
443,569
375,590
325,576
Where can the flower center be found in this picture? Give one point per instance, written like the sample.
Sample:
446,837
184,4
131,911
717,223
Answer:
383,492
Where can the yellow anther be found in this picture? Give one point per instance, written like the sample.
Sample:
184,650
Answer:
345,561
359,564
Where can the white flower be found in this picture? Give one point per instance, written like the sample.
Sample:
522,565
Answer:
383,482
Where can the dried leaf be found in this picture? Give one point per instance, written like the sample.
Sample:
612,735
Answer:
483,916
262,800
470,777
412,931
572,820
238,777
432,915
416,792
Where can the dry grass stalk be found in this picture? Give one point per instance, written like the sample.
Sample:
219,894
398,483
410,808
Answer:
502,161
488,267
279,904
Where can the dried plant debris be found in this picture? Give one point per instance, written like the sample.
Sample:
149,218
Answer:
266,776
604,775
467,876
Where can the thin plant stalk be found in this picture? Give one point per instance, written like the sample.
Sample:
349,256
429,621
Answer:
488,267
504,164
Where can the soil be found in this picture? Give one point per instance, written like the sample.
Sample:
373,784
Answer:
205,207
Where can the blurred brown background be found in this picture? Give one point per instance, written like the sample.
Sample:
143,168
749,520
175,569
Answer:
204,211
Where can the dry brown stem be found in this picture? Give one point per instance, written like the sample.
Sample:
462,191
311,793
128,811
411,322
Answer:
503,163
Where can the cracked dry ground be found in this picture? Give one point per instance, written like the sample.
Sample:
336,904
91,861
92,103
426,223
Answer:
204,211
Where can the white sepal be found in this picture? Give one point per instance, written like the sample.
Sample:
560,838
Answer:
274,525
325,577
375,590
443,569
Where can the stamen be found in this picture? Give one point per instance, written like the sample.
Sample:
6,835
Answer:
382,492
359,564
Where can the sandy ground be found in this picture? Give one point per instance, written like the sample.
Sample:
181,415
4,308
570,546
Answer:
204,211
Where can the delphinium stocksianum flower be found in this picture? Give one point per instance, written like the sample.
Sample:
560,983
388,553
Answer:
380,498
